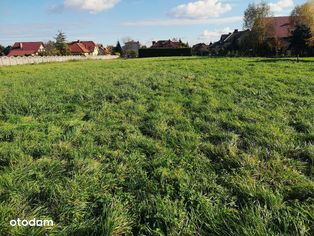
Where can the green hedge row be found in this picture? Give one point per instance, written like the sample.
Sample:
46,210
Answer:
165,52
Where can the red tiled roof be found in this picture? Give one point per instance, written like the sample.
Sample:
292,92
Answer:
90,45
82,47
280,27
25,48
77,47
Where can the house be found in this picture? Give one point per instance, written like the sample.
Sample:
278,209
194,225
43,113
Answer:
168,44
229,43
131,48
101,50
279,29
166,48
200,49
84,48
91,47
26,49
233,40
78,48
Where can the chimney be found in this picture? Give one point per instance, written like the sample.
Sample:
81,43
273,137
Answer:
21,45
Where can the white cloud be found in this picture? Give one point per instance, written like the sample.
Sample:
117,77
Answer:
214,35
281,5
93,6
201,9
175,22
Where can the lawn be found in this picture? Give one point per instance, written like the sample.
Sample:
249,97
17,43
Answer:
173,146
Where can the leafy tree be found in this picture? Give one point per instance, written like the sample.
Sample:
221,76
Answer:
50,49
132,54
255,19
61,45
118,49
255,14
7,50
1,49
299,39
304,15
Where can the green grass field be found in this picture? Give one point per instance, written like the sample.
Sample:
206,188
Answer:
174,146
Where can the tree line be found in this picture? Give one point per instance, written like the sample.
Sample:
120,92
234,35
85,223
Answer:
59,47
258,20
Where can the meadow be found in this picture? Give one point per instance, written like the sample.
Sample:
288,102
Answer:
164,146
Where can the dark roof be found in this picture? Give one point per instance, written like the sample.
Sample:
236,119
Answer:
224,36
235,35
231,40
200,46
167,44
25,48
132,42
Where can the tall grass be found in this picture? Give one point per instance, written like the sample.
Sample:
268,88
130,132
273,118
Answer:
158,147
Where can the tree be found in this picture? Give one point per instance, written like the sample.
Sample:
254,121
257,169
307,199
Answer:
110,50
304,15
257,21
299,39
61,45
118,48
132,54
50,49
1,50
7,50
255,14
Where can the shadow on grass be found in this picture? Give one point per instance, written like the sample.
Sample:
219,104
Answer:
272,60
257,60
175,58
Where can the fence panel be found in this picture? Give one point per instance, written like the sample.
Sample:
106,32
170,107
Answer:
12,61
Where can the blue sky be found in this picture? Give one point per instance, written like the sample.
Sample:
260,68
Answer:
106,21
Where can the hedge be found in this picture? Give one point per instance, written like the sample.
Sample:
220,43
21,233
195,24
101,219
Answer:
165,52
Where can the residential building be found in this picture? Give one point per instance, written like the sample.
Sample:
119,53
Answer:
168,44
200,49
101,50
229,43
279,30
131,48
84,48
26,49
